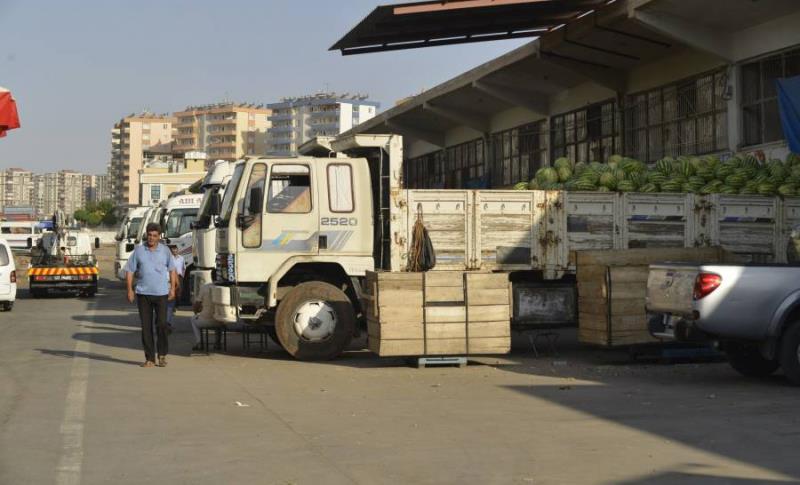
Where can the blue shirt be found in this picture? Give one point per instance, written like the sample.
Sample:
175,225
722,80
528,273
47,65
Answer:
152,269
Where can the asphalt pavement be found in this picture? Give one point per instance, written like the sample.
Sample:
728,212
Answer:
75,407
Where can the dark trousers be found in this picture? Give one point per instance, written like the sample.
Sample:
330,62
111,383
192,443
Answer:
150,306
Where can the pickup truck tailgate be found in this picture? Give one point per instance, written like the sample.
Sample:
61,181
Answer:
670,288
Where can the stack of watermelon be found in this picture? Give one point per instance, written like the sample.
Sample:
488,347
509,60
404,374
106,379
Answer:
740,174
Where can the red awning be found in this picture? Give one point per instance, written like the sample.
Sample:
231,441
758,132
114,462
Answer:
9,119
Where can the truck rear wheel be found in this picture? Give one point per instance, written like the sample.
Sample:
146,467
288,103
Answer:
315,321
747,360
790,353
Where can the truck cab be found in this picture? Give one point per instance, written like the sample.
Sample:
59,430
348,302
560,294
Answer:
127,233
294,240
176,217
204,231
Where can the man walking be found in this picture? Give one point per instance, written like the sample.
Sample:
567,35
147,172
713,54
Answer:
180,270
154,268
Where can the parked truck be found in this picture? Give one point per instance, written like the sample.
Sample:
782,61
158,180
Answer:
295,238
751,311
204,231
126,235
63,259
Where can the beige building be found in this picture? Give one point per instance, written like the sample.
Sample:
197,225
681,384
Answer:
226,131
64,190
159,179
96,188
18,188
131,138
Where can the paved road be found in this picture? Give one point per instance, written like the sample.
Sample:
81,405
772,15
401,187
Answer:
76,408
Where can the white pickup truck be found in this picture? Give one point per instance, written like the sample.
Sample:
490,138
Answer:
752,311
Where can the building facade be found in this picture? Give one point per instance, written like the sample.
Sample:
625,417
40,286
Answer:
226,131
298,120
18,188
159,179
666,90
131,138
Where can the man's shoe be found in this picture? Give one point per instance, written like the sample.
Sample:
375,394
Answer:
148,363
162,361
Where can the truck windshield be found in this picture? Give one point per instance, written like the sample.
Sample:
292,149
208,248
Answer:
230,195
133,226
179,222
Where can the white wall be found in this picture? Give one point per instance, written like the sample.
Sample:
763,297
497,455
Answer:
684,64
345,117
770,36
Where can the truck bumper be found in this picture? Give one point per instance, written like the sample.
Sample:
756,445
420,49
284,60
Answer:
223,299
673,327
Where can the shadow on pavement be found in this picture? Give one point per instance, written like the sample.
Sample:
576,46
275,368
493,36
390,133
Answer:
87,355
131,320
664,478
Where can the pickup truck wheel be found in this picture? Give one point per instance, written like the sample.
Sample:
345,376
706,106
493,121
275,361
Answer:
790,353
748,361
315,321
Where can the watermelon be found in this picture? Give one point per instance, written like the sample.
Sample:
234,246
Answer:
564,174
521,186
547,175
616,159
648,188
608,180
665,165
603,189
562,162
626,186
767,188
534,185
787,190
792,159
580,167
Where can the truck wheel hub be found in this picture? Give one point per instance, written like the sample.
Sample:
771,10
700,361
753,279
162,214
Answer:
315,320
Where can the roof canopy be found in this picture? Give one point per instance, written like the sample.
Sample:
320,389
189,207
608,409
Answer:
434,23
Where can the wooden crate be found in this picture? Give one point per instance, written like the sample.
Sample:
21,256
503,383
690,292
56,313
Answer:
612,287
438,313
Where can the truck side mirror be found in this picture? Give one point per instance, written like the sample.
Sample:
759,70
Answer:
129,247
29,243
97,243
214,204
255,201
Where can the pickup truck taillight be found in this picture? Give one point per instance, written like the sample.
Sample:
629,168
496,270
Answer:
13,276
705,283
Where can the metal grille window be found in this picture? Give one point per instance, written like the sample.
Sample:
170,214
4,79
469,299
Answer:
688,117
518,153
760,116
588,134
426,171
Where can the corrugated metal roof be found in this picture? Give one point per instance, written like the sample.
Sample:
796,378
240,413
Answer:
435,23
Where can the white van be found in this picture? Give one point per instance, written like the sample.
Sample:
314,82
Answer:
8,277
17,233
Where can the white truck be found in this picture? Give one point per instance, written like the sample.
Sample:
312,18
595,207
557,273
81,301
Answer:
204,231
126,235
295,238
177,216
63,260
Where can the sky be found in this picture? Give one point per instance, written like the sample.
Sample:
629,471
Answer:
76,68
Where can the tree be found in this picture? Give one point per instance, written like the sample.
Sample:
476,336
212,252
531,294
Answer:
96,213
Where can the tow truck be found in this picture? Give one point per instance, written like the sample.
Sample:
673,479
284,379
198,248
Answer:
63,259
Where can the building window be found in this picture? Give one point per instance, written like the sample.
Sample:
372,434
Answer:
587,134
687,117
518,153
155,192
760,116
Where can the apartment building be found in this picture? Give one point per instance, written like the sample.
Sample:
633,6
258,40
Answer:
96,188
226,131
298,120
131,138
18,188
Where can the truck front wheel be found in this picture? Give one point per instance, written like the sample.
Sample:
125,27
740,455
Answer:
747,360
315,321
790,353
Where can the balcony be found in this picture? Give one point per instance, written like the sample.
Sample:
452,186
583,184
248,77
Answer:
327,126
318,114
224,121
281,129
281,117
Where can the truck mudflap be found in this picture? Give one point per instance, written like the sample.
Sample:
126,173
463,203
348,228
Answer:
224,309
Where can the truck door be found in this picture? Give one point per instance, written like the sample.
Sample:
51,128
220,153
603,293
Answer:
278,219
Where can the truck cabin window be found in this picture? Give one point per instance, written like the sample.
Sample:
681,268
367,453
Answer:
289,190
254,206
